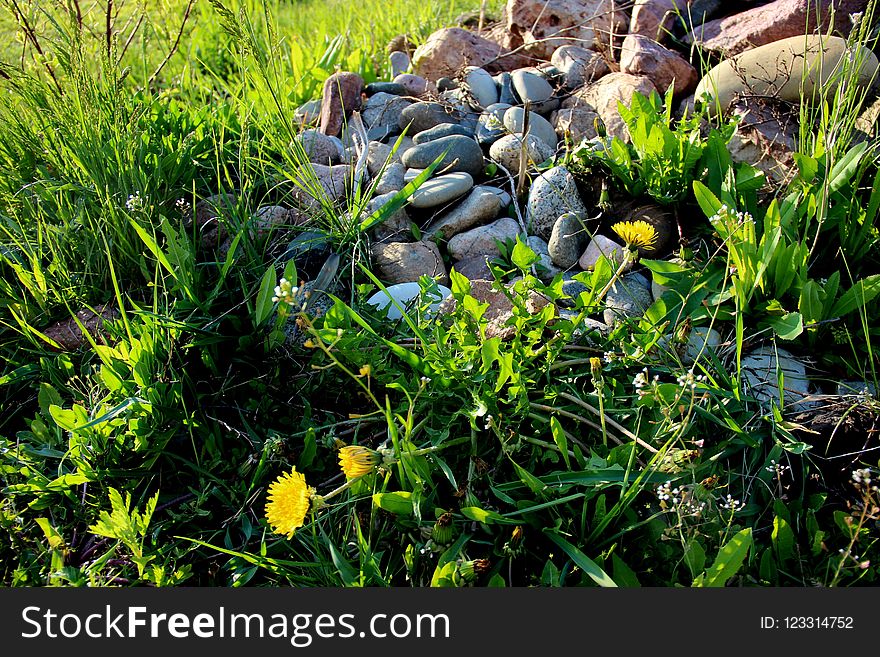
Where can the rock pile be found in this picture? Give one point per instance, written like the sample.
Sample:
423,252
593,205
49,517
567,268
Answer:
495,111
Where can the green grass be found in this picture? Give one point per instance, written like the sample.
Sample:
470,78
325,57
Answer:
144,456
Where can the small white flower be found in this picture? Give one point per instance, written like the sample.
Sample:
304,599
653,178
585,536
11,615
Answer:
134,202
285,292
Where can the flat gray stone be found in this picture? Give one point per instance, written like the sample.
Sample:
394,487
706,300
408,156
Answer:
403,262
392,179
483,240
503,196
463,154
400,63
629,297
382,112
508,152
424,115
760,369
479,207
442,189
533,89
514,121
442,130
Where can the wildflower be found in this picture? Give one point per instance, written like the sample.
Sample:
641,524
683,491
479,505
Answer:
134,202
637,234
289,501
356,460
285,292
183,206
862,476
641,379
731,504
366,370
608,357
688,380
664,491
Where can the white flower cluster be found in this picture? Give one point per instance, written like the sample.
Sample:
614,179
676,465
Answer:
641,381
183,206
862,476
134,202
689,380
730,503
680,498
285,292
777,468
725,212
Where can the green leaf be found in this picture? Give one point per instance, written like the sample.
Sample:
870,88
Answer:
399,503
623,574
581,560
55,539
789,326
347,573
729,560
264,297
48,396
857,296
845,168
310,449
496,582
523,257
447,560
708,202
695,557
783,539
561,439
485,517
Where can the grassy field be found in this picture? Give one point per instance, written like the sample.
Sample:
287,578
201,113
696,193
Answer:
145,455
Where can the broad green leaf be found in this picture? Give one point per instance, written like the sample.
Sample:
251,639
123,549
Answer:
48,396
695,557
264,297
729,560
845,168
581,560
523,257
787,327
783,539
485,517
708,202
399,503
624,576
857,296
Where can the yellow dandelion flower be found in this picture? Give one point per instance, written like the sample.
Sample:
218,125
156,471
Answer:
356,461
637,234
366,370
289,502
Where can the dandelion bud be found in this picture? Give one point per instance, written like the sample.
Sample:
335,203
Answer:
470,570
357,461
444,531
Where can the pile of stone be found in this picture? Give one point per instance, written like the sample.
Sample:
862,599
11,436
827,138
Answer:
501,107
